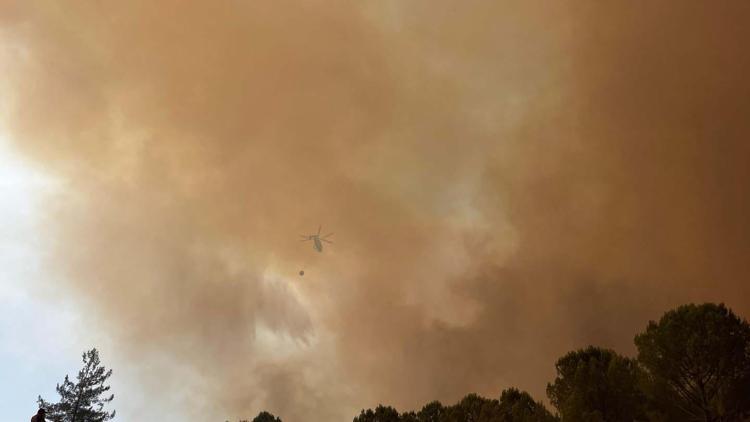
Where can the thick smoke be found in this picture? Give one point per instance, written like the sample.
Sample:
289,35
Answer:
506,181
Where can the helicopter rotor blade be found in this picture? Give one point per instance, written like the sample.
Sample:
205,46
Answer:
326,240
319,227
329,234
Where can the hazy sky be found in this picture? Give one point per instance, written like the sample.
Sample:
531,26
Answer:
506,181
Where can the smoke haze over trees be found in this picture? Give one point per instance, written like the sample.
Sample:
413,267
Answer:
693,365
508,180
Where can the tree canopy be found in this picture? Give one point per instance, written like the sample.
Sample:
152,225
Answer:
432,412
82,401
513,406
519,406
698,361
266,417
380,414
597,385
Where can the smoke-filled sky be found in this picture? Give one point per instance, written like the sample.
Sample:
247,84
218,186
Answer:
506,181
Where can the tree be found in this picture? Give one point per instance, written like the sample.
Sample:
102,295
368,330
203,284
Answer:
432,412
519,406
513,406
266,417
81,401
597,385
698,362
380,414
474,408
409,417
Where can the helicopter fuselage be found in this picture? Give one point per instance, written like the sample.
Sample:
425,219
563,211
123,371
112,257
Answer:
317,244
317,239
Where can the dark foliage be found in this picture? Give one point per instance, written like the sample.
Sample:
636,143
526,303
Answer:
519,406
597,385
513,406
432,412
82,401
266,417
698,361
380,414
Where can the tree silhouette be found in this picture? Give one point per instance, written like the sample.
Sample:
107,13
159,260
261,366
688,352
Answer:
519,406
474,408
597,385
380,414
81,401
432,412
266,417
513,406
698,361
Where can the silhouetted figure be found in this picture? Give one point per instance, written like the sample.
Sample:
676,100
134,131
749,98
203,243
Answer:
39,417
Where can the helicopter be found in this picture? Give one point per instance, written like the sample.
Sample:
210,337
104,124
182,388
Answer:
317,239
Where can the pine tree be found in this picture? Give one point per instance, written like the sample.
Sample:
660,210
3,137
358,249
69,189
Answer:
81,401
